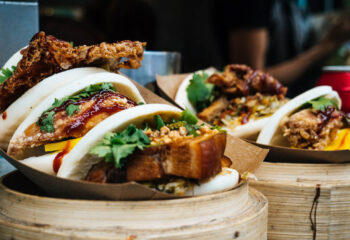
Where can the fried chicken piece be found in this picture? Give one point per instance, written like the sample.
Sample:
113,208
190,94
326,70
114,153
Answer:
310,129
47,55
241,80
90,113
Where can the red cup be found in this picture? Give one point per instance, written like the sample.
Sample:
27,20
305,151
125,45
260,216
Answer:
338,77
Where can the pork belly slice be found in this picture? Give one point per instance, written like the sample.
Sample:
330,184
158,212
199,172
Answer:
90,113
195,158
310,129
209,113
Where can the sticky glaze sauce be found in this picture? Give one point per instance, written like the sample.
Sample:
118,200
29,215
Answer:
4,115
59,157
264,85
97,108
246,116
325,117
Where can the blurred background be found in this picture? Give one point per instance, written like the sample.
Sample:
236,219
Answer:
291,39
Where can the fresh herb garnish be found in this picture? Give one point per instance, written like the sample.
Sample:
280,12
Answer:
115,147
71,109
217,127
320,104
188,116
46,124
46,119
159,121
187,119
190,121
200,93
141,103
6,73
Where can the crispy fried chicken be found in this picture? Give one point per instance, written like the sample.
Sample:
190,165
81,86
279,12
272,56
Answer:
312,129
241,80
47,55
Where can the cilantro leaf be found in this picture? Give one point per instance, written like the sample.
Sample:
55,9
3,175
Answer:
46,123
6,73
71,109
192,129
159,121
320,104
188,116
200,93
115,147
219,128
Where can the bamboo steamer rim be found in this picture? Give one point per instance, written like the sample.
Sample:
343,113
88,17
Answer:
242,209
5,188
305,174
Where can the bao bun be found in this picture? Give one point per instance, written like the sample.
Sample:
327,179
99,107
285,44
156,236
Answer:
19,110
121,83
272,134
248,130
78,161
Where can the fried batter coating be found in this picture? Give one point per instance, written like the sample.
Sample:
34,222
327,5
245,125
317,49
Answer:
47,55
241,80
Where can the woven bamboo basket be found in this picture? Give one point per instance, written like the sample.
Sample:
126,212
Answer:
26,213
306,201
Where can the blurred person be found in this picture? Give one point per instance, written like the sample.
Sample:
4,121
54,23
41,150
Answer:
275,35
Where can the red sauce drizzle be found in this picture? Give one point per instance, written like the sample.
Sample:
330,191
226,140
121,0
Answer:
58,159
247,89
97,108
325,116
246,117
4,115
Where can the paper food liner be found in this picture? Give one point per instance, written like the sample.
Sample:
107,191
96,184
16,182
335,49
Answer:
169,85
293,155
244,156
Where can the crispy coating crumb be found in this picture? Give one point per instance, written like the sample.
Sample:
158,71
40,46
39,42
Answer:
47,55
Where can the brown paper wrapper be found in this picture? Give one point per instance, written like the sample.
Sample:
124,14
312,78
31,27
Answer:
292,155
169,85
245,157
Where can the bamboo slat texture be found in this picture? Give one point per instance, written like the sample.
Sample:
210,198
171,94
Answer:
28,214
306,201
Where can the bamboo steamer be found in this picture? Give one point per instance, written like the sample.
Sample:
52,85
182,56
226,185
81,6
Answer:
306,201
26,213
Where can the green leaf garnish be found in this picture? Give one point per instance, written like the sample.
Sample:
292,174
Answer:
159,121
200,93
6,73
219,128
189,117
115,147
71,108
46,123
320,104
141,103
